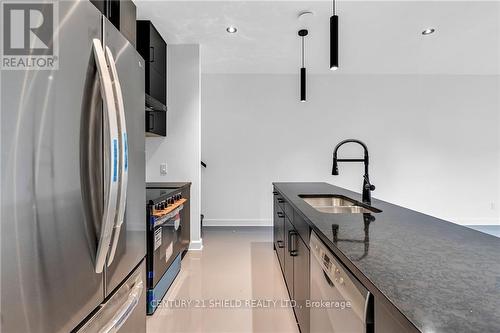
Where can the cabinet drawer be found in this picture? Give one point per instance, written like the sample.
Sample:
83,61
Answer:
287,208
302,228
279,199
279,232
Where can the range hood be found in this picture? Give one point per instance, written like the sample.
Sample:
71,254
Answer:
152,104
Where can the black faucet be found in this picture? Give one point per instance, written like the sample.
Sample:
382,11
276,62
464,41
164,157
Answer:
367,186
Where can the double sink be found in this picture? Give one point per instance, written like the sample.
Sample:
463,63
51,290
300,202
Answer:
337,204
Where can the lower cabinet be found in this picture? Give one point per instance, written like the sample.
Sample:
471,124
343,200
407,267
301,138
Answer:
293,255
301,282
289,240
279,233
389,320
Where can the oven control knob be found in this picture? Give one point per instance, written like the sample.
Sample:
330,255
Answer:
341,280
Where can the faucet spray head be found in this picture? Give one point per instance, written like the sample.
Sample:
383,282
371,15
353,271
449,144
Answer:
335,168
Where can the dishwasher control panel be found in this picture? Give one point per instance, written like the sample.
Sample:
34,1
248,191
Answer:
349,288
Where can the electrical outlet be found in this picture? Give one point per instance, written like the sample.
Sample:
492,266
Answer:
163,168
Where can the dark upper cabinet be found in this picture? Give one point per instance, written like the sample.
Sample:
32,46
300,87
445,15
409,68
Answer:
153,49
122,13
102,5
156,123
156,85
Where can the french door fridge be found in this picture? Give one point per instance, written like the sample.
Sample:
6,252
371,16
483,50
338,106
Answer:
73,184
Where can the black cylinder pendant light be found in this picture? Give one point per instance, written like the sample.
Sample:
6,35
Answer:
334,39
302,34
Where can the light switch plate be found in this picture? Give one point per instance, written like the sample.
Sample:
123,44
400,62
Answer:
163,168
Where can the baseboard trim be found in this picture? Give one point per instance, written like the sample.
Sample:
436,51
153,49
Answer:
196,245
237,222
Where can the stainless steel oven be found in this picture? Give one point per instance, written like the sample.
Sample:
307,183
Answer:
164,242
339,302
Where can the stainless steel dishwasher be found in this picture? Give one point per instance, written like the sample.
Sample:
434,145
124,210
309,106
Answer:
339,302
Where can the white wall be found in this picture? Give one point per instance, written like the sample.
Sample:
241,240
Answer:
433,141
181,148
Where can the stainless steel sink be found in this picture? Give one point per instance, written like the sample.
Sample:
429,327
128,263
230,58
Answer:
337,204
328,201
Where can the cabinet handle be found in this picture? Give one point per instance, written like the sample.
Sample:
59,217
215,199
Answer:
151,59
275,193
280,244
280,214
280,200
151,121
289,240
292,243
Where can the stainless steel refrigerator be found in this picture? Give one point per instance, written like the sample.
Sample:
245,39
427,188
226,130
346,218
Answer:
73,236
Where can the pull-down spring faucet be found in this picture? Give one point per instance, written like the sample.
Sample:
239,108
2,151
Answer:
367,186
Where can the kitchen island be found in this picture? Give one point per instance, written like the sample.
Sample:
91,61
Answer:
426,274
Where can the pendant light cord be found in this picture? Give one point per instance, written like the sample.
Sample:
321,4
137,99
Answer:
302,52
333,7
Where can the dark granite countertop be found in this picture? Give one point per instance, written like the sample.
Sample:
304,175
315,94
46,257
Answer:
441,276
174,185
158,191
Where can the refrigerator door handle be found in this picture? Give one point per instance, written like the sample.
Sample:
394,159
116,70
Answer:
110,155
125,310
122,190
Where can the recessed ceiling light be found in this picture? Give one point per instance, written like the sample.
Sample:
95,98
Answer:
428,31
231,29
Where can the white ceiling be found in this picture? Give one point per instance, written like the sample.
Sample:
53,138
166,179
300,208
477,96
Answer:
375,36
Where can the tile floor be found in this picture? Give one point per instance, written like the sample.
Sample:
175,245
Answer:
493,230
235,265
